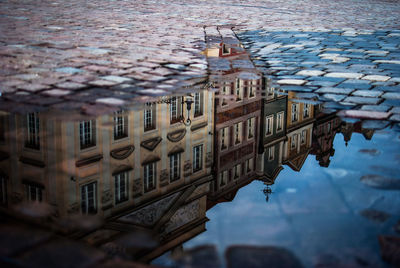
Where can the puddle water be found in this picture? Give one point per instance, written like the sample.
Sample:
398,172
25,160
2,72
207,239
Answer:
236,171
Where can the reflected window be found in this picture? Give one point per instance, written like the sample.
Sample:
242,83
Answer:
34,193
174,167
306,110
197,158
293,142
279,121
295,112
225,49
121,181
198,104
270,91
87,133
252,87
33,125
271,153
149,177
238,90
225,91
238,133
224,138
250,127
269,124
223,178
303,137
174,110
120,125
249,165
329,127
236,172
149,117
89,198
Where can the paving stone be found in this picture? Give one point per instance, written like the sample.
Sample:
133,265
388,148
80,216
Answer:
103,83
378,108
395,110
116,79
391,95
70,85
32,87
395,117
334,97
310,73
68,70
111,101
56,92
362,100
335,90
363,114
367,93
296,82
376,78
345,75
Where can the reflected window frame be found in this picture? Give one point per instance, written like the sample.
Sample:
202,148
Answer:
224,138
32,140
269,125
237,133
280,121
293,141
121,125
251,128
89,200
121,187
239,90
306,110
295,112
174,167
271,153
198,153
303,137
149,177
149,117
237,171
198,102
223,178
87,134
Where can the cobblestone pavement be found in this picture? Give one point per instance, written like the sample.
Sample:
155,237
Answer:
357,70
87,54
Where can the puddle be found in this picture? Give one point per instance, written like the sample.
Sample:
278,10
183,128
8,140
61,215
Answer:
230,169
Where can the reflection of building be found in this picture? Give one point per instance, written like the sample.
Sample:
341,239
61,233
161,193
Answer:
273,134
136,169
237,115
325,129
300,118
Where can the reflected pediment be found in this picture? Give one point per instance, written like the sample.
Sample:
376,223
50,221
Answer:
177,135
151,144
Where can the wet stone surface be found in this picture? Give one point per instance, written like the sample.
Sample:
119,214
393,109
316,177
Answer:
358,68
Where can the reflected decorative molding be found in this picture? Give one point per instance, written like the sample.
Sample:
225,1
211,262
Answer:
209,159
32,162
176,135
151,159
122,153
182,216
187,168
198,126
176,150
150,214
106,196
137,188
88,160
151,144
122,168
164,177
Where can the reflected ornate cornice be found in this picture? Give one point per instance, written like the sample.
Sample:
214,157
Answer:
176,135
151,144
122,153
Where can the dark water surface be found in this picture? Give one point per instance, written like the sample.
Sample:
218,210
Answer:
232,172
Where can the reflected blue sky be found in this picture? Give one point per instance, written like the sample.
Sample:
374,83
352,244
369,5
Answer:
316,212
